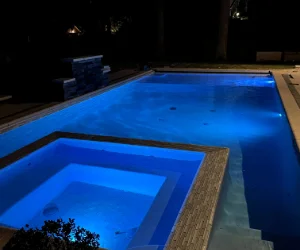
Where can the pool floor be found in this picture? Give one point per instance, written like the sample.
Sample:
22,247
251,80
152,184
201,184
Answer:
100,209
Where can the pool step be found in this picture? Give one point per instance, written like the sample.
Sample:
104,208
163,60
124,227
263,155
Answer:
242,232
236,208
222,240
280,242
236,220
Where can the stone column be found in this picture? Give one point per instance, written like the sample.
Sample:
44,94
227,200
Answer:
88,72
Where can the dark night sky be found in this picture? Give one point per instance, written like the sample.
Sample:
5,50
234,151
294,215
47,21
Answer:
189,25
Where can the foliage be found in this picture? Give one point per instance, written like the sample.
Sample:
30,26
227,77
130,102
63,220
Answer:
54,235
117,23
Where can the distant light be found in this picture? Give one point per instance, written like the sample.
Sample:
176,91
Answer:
74,30
280,115
237,14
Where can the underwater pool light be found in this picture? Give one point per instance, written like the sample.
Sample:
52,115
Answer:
271,81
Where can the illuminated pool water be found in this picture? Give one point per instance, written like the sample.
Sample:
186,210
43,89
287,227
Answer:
239,111
130,195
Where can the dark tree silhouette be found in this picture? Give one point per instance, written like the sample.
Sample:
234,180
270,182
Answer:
223,30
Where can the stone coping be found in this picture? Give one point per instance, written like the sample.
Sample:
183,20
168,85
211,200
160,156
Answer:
63,80
36,115
197,70
290,103
106,69
81,58
194,222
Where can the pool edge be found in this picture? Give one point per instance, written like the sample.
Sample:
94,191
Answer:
211,71
47,111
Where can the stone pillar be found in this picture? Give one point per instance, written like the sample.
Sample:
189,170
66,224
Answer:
88,72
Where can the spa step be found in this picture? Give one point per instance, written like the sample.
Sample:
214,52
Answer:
226,241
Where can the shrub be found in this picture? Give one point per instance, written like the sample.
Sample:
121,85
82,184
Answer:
54,235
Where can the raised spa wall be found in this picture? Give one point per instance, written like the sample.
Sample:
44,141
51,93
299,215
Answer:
83,75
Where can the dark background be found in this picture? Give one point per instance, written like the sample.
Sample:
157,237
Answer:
34,38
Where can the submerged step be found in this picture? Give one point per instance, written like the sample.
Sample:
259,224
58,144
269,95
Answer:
223,241
234,220
242,232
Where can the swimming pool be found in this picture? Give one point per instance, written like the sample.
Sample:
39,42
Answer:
131,195
239,111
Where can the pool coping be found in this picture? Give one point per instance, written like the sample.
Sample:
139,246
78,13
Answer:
195,220
290,105
210,71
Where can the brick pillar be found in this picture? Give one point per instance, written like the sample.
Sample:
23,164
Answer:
88,72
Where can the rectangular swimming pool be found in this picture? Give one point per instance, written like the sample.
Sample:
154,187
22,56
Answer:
240,111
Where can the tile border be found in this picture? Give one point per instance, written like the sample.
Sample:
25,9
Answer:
36,115
194,222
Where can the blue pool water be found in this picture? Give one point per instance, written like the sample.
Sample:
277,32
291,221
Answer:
242,112
130,195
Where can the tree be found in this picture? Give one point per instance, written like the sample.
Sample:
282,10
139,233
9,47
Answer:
223,30
54,235
160,29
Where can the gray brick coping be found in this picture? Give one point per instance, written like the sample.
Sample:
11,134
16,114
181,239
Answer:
195,220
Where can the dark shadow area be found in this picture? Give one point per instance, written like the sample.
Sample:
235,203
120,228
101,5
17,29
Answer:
272,180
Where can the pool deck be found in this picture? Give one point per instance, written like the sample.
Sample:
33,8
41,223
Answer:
194,225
